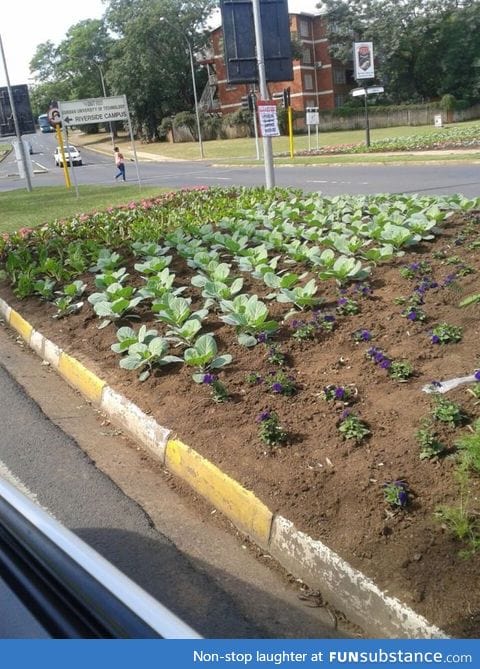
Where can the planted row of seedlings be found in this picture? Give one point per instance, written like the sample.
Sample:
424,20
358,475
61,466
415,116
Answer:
309,256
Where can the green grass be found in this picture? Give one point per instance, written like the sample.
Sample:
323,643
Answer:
19,208
241,150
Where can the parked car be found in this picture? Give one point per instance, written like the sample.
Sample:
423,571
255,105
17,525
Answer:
72,156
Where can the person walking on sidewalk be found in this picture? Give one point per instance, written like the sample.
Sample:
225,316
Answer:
120,163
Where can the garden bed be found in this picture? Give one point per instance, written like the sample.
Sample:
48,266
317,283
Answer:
331,487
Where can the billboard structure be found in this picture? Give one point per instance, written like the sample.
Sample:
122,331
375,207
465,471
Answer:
21,100
239,40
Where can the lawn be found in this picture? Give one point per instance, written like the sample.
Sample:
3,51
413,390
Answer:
244,149
22,209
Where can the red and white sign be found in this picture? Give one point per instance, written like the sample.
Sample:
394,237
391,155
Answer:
363,60
267,118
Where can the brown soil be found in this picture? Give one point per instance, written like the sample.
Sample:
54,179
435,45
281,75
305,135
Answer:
331,488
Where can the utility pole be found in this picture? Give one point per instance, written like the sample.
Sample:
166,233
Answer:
262,81
15,122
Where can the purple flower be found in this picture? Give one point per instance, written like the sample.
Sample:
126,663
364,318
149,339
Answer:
265,415
477,375
209,378
329,318
342,301
345,414
412,315
450,278
262,337
435,339
385,364
436,384
277,387
365,335
339,393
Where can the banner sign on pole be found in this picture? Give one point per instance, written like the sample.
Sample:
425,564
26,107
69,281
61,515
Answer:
94,110
267,116
363,60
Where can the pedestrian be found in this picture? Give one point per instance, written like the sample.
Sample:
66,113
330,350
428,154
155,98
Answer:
120,163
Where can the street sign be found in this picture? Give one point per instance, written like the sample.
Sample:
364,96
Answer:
312,117
94,110
21,102
357,92
54,116
267,115
375,89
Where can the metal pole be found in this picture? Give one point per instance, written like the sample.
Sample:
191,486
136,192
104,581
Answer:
195,97
367,124
262,80
133,143
255,124
105,95
15,122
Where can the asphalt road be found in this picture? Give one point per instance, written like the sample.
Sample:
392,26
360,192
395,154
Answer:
437,179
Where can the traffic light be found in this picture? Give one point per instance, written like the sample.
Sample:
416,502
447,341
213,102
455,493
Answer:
286,98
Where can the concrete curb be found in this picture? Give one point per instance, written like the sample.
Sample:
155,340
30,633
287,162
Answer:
315,564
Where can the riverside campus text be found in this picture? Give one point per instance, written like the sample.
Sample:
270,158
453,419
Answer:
336,657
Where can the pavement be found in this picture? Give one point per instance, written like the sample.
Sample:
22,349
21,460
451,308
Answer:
344,587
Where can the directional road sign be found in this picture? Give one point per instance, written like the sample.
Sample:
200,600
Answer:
94,110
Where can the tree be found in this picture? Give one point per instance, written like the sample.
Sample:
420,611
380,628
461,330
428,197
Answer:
151,59
422,47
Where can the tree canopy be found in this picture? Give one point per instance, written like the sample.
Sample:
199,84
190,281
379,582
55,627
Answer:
139,48
423,49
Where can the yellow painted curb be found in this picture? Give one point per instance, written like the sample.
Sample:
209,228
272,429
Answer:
81,378
22,326
240,505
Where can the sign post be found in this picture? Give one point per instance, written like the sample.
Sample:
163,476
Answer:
358,92
55,120
98,110
312,118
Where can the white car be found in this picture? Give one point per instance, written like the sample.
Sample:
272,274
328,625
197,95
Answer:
72,156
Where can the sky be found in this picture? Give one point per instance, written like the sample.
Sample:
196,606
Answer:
27,23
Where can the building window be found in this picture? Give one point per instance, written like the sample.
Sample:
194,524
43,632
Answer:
306,55
304,28
340,100
308,82
339,76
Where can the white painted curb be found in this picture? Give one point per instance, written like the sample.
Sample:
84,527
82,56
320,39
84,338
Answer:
344,587
141,427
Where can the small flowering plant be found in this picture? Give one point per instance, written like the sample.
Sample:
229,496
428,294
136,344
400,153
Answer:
413,313
378,357
346,306
415,269
343,394
275,356
270,431
396,493
309,329
446,334
219,391
475,389
446,411
253,379
362,335
280,383
351,427
400,370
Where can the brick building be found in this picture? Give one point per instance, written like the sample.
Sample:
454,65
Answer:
319,81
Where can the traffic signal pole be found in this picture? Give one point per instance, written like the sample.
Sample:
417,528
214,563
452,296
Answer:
262,80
